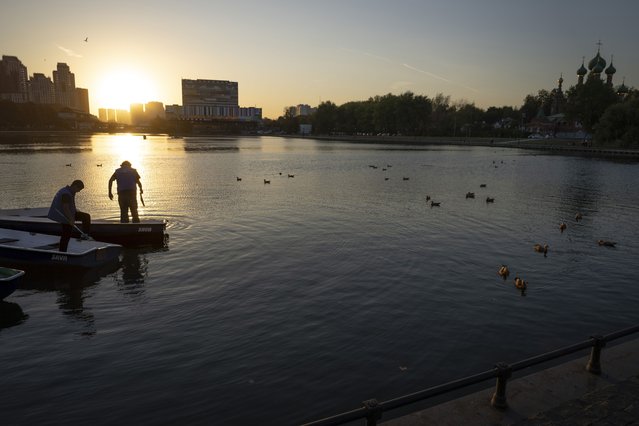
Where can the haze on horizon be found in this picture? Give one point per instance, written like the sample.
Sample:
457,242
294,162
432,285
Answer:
284,52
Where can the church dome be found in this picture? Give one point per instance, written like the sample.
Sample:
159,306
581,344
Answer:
610,70
622,90
597,64
582,70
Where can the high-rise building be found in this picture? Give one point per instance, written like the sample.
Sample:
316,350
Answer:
13,80
137,114
82,99
153,110
103,115
64,83
210,99
174,112
41,89
123,116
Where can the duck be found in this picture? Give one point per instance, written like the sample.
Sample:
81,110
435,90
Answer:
541,249
606,243
99,165
435,204
520,284
405,178
562,227
470,195
69,165
386,178
266,181
428,198
291,176
238,178
490,200
483,185
578,217
503,272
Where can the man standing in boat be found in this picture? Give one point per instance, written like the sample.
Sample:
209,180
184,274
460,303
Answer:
63,210
127,178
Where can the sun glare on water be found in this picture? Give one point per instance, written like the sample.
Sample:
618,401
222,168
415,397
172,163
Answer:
118,89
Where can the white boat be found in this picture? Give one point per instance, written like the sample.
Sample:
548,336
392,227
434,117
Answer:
148,232
39,252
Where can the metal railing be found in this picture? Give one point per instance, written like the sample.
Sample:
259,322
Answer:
372,410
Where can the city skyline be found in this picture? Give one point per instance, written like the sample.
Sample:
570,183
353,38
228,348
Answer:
288,53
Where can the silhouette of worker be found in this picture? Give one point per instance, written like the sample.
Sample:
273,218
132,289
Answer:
64,211
127,178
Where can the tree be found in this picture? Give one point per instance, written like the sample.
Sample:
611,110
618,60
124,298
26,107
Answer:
619,125
325,118
587,102
534,104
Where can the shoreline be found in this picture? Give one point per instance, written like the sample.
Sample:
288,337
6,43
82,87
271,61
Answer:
558,146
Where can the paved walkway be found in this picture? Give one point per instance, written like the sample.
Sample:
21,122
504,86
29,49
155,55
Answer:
566,395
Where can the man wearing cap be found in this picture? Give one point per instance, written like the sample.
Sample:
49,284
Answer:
127,178
63,210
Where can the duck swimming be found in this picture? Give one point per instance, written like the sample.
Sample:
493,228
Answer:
562,227
606,243
578,217
541,249
503,272
520,284
470,195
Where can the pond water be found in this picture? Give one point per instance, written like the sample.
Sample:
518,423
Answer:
290,301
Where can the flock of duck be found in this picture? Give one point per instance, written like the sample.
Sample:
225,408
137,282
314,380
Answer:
266,181
503,271
520,283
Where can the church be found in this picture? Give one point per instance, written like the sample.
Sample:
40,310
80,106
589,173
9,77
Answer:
556,124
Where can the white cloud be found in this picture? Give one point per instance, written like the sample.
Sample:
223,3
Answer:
69,52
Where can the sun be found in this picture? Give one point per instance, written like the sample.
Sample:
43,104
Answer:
120,88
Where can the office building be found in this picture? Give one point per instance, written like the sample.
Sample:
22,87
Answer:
41,90
13,80
64,83
82,99
210,99
153,110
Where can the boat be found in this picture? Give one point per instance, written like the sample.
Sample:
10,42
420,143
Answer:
147,232
40,252
9,279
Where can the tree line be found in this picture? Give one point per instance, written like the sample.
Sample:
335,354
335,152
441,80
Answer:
612,118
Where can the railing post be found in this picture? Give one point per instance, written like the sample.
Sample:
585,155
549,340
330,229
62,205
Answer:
373,411
594,365
504,371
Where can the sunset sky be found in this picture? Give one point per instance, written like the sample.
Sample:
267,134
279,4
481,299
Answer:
281,52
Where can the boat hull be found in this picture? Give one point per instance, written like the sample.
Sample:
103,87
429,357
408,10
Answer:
9,280
40,252
151,232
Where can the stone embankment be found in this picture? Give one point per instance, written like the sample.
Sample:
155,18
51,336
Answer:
564,395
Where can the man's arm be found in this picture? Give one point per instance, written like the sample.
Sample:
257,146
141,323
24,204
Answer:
139,182
110,185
